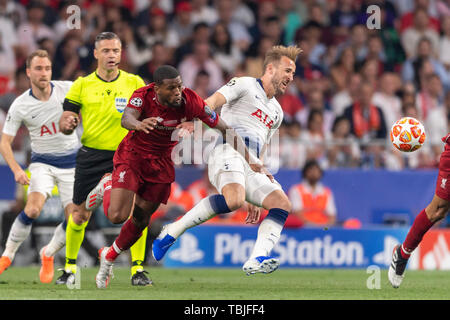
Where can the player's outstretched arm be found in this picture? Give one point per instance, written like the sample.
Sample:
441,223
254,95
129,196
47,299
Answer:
6,150
130,121
216,100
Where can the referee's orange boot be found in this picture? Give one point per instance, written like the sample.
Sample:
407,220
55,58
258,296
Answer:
47,270
5,262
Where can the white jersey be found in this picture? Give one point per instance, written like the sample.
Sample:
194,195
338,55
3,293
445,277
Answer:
250,112
48,144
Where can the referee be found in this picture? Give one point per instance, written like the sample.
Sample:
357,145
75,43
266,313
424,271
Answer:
100,98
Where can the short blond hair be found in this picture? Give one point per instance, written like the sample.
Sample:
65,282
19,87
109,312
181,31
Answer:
275,54
38,53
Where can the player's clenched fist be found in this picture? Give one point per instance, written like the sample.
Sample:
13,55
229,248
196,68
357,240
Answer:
69,121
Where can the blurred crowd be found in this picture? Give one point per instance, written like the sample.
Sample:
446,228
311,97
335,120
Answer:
354,79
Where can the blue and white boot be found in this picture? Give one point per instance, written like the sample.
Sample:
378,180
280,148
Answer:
162,244
262,264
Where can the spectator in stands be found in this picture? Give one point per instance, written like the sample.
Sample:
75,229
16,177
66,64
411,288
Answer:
291,105
159,57
292,151
385,97
7,64
315,100
33,29
254,64
201,31
367,120
21,84
201,84
371,72
181,23
158,30
390,37
12,11
312,202
201,59
48,45
443,8
438,125
444,45
264,10
430,96
375,51
242,13
67,60
202,12
312,33
411,67
238,31
306,72
344,67
345,97
315,137
407,20
412,35
342,147
290,20
358,42
226,53
344,14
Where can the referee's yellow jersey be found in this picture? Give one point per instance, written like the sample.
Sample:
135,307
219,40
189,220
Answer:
101,104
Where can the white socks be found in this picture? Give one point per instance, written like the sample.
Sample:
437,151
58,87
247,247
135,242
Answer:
200,213
17,235
57,242
269,233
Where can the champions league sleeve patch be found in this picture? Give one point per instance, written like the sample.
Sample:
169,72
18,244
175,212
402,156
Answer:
137,102
210,113
232,82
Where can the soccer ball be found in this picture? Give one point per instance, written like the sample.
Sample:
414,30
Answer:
407,134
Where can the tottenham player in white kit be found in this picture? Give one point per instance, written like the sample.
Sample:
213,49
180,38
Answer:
249,107
52,158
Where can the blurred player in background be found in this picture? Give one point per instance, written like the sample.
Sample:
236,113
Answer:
52,159
250,107
100,97
434,212
143,165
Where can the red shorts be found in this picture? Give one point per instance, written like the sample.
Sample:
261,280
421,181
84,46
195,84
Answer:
442,184
148,176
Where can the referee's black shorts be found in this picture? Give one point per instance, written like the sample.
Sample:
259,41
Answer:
91,165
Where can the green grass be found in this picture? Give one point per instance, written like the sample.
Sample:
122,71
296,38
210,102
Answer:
19,283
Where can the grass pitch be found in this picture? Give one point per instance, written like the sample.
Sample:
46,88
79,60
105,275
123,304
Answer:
19,283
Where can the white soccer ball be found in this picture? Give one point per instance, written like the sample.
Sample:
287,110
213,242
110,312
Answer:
408,134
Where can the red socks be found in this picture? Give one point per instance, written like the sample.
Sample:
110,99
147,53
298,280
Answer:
128,235
420,226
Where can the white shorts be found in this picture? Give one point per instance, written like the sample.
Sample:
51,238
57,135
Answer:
226,165
44,177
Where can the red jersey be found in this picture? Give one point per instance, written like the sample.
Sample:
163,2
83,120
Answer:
159,141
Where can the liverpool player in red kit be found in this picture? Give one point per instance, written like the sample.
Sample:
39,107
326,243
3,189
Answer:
143,168
435,211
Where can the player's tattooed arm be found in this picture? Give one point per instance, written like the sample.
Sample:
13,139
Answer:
130,121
